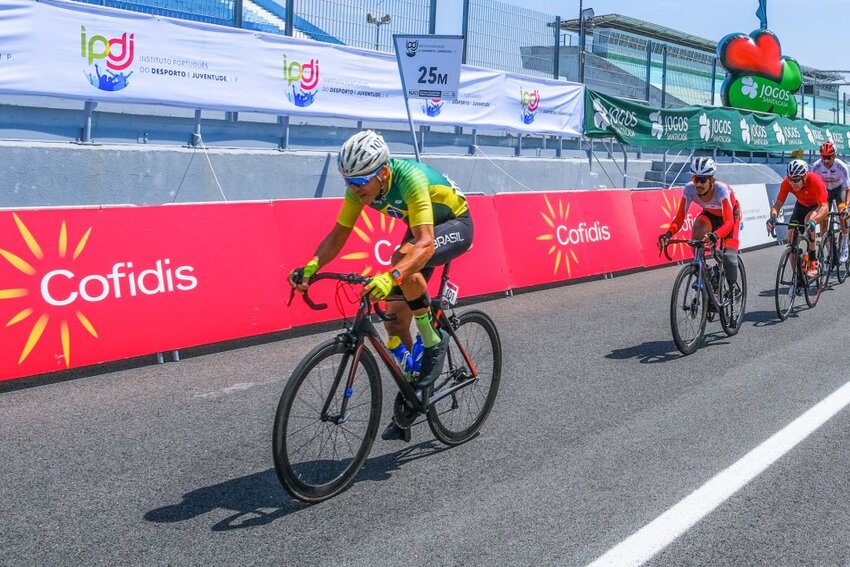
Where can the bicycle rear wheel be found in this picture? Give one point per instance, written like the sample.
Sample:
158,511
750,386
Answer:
317,455
688,310
841,268
786,285
732,314
460,415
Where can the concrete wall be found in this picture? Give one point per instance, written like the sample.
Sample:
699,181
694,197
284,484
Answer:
37,174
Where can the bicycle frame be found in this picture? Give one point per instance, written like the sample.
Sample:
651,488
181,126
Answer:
794,245
700,254
363,328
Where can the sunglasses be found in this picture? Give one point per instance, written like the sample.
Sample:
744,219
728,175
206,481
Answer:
701,178
795,179
827,158
361,180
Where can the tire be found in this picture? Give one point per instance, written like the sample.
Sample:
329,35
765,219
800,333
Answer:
786,285
688,310
317,459
813,287
458,417
841,267
826,255
738,307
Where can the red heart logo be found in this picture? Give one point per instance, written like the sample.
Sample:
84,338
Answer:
756,54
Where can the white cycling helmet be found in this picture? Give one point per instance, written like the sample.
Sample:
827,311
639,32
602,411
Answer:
797,168
362,153
703,166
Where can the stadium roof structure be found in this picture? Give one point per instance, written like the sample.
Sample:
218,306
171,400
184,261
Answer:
658,32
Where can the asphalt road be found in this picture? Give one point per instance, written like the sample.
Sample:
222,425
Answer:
600,427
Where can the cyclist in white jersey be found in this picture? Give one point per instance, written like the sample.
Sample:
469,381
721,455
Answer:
835,176
720,219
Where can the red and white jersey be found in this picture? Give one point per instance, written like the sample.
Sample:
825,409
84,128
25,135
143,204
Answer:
834,177
714,205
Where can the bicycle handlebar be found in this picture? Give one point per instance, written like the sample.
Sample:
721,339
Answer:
693,243
349,278
789,225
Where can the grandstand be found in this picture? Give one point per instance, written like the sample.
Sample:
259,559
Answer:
626,48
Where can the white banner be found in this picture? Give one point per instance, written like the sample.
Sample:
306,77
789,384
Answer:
429,64
74,50
755,211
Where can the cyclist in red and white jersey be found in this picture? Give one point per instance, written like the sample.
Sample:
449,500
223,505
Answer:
836,177
720,217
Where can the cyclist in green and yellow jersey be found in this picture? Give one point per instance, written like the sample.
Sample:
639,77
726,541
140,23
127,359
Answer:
439,229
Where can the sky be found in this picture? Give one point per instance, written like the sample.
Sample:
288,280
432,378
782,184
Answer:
815,33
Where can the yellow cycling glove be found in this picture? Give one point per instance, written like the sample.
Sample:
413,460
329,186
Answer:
380,286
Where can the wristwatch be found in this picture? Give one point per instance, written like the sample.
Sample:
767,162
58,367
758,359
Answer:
396,275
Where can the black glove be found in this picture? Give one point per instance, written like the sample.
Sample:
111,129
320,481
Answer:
664,239
712,236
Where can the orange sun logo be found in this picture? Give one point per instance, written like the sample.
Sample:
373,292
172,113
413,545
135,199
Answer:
28,268
557,222
378,239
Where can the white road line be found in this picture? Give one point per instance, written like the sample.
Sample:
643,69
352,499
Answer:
642,545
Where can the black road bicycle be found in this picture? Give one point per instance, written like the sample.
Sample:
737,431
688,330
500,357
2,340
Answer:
791,278
700,292
828,253
330,409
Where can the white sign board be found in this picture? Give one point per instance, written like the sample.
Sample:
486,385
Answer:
429,65
755,210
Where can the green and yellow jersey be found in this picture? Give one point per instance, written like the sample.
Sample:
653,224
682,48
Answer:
417,194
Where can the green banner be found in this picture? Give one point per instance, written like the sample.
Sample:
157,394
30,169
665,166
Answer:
705,127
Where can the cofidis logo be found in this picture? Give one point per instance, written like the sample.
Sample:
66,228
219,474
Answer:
118,52
566,234
529,102
306,76
53,291
375,246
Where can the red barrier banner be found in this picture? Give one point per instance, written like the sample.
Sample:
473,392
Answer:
550,237
654,210
83,286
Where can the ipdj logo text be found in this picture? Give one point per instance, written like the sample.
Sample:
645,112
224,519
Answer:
118,52
530,102
307,77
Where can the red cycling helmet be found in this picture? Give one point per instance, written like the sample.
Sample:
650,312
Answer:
827,149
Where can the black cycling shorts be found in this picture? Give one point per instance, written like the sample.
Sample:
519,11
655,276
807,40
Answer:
451,239
835,196
800,212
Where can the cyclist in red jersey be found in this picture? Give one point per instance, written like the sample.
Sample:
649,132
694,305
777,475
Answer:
811,206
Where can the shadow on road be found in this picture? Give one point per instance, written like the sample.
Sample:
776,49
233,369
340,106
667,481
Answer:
652,352
259,499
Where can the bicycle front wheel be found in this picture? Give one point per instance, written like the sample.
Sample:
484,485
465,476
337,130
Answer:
318,451
732,315
827,258
688,310
786,285
813,286
459,416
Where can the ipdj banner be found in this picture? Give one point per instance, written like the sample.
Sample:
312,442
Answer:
77,50
705,127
